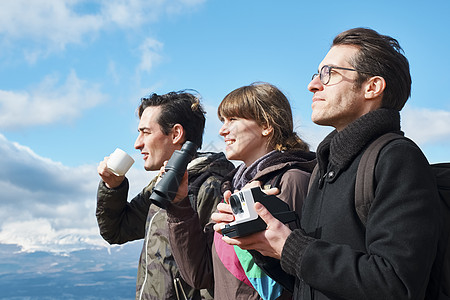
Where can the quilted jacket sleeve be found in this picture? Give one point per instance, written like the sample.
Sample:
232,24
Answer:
120,221
191,235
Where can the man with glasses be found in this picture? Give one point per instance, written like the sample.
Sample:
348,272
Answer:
362,84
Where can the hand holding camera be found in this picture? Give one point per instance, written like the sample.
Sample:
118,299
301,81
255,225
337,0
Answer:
246,219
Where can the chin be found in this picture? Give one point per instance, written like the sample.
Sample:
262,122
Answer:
150,168
320,121
230,154
153,167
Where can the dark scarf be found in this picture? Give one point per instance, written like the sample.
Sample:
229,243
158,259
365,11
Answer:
341,148
245,174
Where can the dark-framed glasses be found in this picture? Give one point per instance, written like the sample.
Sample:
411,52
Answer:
325,73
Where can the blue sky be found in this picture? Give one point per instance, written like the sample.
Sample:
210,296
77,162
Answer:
72,73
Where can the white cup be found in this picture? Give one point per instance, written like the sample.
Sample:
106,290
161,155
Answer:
119,162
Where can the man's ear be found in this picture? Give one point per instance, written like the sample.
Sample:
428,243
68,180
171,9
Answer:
374,87
178,134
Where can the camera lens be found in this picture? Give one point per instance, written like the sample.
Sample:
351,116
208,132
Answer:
236,206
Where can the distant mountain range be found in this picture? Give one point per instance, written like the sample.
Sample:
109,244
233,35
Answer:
86,274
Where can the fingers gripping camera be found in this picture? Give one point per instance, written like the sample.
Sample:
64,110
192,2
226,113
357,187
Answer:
242,206
247,220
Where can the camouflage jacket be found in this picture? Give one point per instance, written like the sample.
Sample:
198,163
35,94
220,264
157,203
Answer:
121,221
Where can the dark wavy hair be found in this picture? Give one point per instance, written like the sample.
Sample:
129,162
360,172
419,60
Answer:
180,107
379,55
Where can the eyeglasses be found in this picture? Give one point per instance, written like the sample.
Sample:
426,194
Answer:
325,73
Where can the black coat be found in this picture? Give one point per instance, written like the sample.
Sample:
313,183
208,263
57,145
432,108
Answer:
391,257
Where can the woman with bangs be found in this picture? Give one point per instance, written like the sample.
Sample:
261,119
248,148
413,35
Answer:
258,130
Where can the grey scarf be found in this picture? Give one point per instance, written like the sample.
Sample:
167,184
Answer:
245,174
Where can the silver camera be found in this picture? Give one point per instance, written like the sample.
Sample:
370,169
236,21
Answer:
242,206
246,220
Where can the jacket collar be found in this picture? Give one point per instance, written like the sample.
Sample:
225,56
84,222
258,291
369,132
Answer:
341,148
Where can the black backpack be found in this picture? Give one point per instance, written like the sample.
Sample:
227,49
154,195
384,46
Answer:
439,284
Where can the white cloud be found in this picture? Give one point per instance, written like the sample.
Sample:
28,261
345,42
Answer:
50,24
134,13
53,24
46,206
425,125
48,102
150,51
40,235
112,71
313,134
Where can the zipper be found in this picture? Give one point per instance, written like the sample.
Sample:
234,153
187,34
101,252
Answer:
146,255
177,285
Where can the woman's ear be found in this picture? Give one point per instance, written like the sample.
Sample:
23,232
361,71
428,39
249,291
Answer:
178,134
374,87
267,130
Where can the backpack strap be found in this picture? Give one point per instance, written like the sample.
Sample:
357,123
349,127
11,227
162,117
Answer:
195,184
272,180
364,189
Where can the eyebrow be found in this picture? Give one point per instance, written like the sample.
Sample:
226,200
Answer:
143,128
